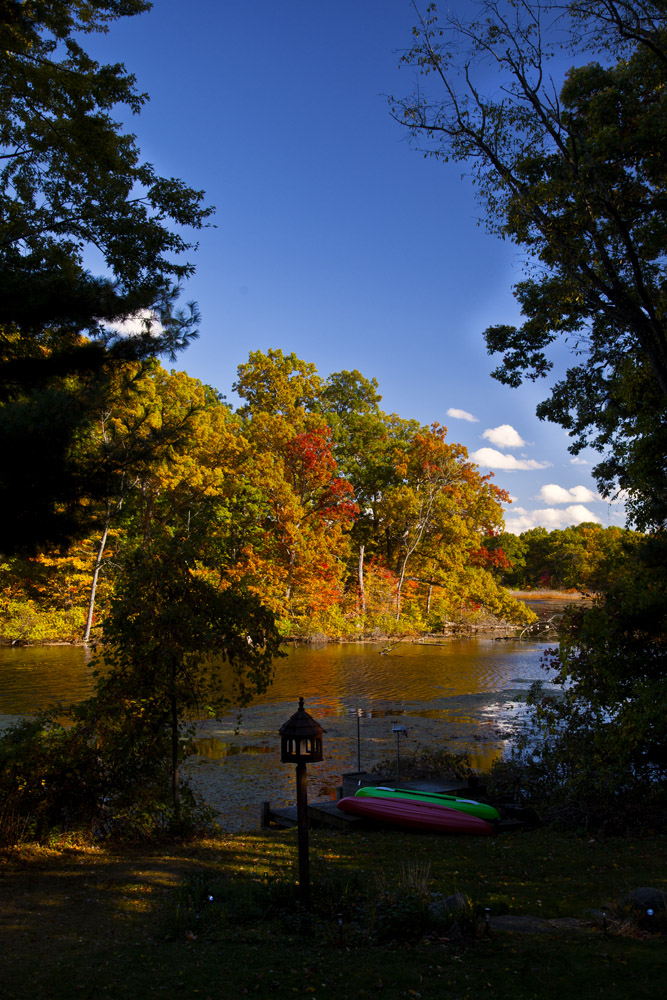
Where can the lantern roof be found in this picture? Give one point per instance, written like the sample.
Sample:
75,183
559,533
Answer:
301,724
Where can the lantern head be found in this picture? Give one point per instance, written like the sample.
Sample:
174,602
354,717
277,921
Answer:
301,738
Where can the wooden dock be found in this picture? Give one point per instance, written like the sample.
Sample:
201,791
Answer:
362,779
327,814
319,814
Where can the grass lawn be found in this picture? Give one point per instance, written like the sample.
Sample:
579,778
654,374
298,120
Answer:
82,922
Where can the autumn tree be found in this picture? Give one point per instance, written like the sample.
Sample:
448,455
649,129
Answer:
365,442
575,176
594,758
166,447
72,180
510,569
164,440
585,557
169,632
304,504
439,513
277,384
343,481
177,647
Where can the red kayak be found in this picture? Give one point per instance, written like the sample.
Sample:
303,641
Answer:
411,815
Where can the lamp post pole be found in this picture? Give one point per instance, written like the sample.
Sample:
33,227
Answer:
300,742
302,831
399,730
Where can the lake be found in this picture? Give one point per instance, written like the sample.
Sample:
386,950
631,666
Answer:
465,694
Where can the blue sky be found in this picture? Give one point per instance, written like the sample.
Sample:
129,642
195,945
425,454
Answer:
333,238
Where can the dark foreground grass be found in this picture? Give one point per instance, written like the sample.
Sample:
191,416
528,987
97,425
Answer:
84,923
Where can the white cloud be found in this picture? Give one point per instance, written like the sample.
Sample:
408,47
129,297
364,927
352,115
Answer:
549,518
504,436
578,461
135,325
558,494
492,459
461,415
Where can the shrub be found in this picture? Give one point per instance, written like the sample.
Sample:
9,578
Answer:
24,621
573,771
426,764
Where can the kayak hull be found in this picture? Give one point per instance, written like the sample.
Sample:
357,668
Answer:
424,816
480,809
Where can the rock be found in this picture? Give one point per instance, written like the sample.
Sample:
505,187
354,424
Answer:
538,925
647,898
515,924
451,906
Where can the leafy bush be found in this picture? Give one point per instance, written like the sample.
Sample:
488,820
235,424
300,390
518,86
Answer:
426,764
115,768
570,766
49,779
594,755
106,774
26,621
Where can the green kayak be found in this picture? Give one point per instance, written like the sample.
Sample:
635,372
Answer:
434,798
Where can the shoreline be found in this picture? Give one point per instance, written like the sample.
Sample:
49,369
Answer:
456,630
551,595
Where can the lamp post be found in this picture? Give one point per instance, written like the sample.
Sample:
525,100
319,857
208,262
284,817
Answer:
301,742
400,731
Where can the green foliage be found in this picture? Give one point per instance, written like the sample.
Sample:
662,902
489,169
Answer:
72,179
169,631
114,770
169,628
100,769
594,755
575,179
584,557
323,524
426,764
26,621
577,780
41,779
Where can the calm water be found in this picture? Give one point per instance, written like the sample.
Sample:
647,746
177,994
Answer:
334,679
464,694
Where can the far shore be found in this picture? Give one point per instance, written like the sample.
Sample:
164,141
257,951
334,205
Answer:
550,595
455,631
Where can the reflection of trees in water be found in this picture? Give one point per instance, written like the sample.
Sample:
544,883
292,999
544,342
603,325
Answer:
463,696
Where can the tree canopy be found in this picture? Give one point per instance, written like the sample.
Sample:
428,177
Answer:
340,518
75,199
575,175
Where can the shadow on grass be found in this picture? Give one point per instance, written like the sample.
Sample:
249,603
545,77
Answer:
139,922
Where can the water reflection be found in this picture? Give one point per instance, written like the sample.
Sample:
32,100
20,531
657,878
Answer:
335,680
345,677
464,695
34,677
209,746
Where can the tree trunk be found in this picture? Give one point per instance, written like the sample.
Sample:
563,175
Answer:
399,585
360,578
290,575
175,773
422,523
96,573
